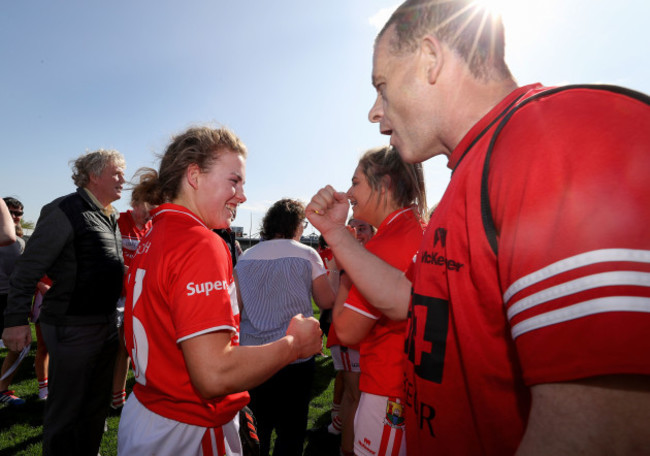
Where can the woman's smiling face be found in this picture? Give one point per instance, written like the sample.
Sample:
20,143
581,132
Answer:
221,189
362,197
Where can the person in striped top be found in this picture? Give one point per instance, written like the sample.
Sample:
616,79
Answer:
277,279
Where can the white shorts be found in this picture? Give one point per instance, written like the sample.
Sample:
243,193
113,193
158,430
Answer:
143,432
379,426
345,359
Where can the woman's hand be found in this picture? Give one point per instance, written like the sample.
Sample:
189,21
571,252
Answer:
307,336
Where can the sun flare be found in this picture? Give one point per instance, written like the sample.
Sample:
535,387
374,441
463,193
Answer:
499,7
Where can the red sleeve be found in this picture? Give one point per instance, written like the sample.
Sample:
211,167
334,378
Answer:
358,303
571,204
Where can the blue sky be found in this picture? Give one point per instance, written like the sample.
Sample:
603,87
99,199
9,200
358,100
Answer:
291,78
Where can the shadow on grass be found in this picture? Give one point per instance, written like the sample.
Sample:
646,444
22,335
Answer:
22,446
322,444
30,414
322,376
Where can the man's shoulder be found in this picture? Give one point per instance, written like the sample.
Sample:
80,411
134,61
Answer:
61,199
563,119
597,99
64,203
53,212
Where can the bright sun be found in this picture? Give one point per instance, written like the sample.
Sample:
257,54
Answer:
524,21
500,7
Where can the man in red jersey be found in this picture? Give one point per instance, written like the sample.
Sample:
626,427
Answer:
530,293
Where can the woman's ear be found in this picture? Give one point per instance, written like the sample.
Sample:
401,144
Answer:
192,174
385,184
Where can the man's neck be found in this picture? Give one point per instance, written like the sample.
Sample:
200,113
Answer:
106,209
479,98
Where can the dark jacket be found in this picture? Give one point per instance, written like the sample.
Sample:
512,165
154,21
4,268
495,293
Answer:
80,249
229,237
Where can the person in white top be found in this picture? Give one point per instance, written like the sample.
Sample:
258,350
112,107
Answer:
277,279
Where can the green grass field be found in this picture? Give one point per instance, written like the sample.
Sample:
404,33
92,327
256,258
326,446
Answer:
21,427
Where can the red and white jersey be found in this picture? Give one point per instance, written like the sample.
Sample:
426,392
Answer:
382,350
179,287
564,295
131,235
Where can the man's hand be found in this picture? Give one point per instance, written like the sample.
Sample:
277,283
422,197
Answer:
328,210
307,335
17,337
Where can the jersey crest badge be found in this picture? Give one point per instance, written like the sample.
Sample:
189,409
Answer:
394,414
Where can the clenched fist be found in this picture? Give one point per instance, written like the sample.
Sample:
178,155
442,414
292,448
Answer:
307,335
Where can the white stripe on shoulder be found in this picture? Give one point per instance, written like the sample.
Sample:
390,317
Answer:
574,262
206,331
583,309
359,311
176,211
604,279
398,214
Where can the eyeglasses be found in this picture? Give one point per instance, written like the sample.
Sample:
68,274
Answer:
16,213
305,224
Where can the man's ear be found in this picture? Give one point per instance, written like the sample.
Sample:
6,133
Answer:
192,174
433,57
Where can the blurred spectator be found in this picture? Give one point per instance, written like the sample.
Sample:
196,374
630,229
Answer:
228,235
7,230
8,257
42,359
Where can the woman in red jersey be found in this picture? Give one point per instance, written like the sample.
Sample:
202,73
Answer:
181,326
388,194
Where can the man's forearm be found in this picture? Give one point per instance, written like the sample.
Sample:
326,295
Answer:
607,415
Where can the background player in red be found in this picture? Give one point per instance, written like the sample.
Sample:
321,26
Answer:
389,194
531,298
133,224
346,359
180,327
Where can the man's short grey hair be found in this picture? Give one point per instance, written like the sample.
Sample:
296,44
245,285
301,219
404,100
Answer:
94,163
468,28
